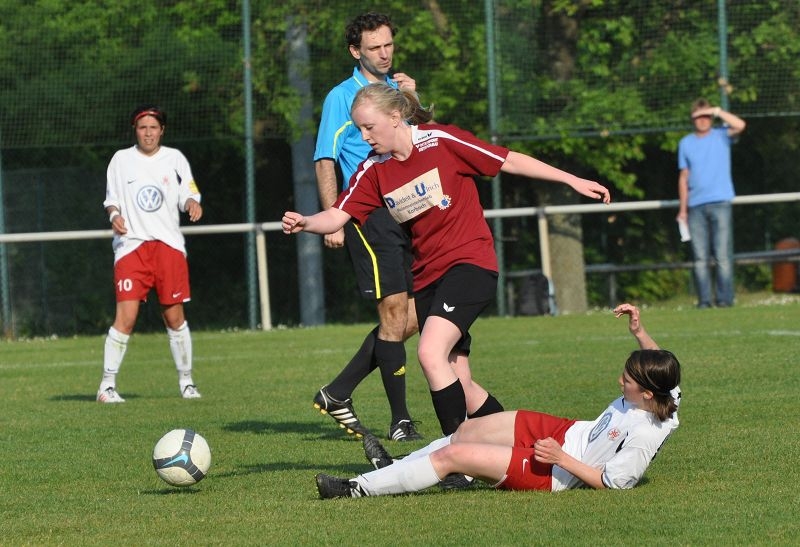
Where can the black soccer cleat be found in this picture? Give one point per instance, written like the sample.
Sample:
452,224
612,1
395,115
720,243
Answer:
330,487
456,481
341,411
375,452
404,430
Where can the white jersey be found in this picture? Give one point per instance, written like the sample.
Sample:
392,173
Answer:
150,192
621,442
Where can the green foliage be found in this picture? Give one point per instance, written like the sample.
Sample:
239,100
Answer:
598,87
79,473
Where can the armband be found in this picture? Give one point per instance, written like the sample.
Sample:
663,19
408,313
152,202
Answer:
114,214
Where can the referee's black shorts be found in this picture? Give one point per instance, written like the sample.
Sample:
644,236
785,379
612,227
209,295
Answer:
380,250
459,296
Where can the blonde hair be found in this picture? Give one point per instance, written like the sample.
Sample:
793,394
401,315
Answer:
387,99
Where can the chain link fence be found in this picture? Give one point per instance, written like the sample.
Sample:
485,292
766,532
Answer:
551,75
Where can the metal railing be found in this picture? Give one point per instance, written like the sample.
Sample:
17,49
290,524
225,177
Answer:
541,213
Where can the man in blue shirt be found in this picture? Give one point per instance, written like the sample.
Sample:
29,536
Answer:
705,191
380,249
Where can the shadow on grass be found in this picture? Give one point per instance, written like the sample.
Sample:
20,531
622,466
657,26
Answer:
350,470
84,397
174,491
322,431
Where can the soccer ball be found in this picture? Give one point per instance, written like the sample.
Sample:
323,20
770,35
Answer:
182,457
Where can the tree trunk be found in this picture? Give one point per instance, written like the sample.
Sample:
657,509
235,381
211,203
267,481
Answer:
566,234
566,252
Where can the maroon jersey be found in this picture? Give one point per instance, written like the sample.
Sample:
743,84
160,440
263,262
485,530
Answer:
433,193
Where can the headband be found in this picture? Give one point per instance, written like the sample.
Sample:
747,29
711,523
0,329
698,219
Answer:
154,113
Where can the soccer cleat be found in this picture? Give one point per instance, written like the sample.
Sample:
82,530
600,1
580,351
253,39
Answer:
109,395
334,487
375,452
404,430
341,411
456,481
190,392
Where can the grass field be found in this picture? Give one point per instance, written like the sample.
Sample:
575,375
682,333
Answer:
74,472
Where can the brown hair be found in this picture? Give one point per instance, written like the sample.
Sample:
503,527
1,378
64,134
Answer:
659,372
699,104
388,99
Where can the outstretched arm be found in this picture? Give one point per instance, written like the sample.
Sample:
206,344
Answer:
522,164
324,222
635,326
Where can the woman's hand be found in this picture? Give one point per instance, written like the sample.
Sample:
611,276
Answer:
292,222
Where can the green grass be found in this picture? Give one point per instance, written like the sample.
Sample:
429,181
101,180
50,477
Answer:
74,472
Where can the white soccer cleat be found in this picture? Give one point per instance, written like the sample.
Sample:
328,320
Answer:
190,392
109,395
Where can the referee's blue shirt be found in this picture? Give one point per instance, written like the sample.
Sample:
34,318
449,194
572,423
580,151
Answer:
338,138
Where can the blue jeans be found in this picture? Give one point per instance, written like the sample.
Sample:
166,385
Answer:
711,228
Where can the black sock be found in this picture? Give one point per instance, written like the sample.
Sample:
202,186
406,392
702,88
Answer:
489,406
359,367
391,359
450,405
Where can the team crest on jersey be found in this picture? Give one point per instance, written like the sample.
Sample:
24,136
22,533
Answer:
417,196
600,427
149,199
614,434
165,180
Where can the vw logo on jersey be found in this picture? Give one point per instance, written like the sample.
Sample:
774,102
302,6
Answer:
600,427
149,199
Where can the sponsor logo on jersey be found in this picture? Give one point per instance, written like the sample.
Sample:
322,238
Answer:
417,196
426,143
602,424
149,199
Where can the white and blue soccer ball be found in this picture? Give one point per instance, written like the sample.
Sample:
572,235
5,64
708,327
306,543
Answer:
182,457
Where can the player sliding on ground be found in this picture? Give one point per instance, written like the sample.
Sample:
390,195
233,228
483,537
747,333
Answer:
527,450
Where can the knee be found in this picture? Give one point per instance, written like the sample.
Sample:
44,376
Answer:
445,458
394,319
427,356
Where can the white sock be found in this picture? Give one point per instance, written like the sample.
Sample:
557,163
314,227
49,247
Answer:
400,477
433,446
180,344
115,347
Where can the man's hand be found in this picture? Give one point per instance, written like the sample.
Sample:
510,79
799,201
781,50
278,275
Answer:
404,81
335,240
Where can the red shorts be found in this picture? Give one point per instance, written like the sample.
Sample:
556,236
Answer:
152,265
524,472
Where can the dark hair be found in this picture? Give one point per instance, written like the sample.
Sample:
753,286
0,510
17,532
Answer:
148,110
699,104
659,372
387,99
366,22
